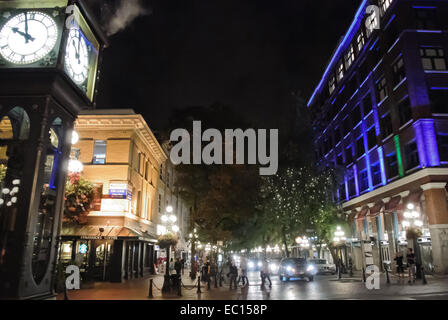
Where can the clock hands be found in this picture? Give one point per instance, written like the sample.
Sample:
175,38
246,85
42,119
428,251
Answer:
26,27
25,35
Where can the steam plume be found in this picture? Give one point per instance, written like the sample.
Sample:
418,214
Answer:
126,12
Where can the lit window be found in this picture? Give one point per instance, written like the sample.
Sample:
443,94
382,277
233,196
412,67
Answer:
99,152
332,84
360,41
381,87
349,57
433,58
384,5
340,73
399,72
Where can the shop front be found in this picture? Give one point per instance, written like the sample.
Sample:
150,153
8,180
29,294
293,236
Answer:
107,253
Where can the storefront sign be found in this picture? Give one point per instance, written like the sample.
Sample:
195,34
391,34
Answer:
118,189
97,238
83,248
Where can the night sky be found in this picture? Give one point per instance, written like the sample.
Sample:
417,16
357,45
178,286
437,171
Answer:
246,54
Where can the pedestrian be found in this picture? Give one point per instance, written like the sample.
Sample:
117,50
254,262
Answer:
178,266
182,261
243,265
399,261
171,266
410,259
265,274
214,271
233,273
205,271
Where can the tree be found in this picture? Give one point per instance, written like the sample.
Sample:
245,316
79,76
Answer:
78,196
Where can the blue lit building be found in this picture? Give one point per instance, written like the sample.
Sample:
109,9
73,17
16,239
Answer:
380,115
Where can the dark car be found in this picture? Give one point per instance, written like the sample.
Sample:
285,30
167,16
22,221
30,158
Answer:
296,268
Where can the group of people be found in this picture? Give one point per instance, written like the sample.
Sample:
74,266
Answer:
410,261
240,274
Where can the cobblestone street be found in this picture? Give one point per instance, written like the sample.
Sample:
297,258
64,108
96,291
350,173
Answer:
322,288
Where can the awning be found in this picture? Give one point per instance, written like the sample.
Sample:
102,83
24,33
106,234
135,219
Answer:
361,214
392,205
375,210
109,233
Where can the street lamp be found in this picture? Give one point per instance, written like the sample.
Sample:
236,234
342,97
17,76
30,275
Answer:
339,238
412,222
168,219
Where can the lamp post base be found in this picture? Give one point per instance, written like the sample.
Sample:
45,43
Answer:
166,284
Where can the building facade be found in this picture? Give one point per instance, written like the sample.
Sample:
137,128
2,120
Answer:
134,183
380,115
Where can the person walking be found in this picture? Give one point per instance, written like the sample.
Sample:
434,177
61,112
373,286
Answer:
178,266
243,265
233,273
399,261
265,274
171,266
410,259
182,261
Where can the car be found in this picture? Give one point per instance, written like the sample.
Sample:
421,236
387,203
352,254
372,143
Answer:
255,265
296,268
274,265
322,266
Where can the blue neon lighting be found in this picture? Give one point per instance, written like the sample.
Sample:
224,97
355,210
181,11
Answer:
382,166
342,46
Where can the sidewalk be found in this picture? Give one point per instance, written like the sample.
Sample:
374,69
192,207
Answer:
138,289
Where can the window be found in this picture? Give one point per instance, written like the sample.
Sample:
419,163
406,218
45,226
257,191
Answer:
359,147
386,125
356,116
376,174
384,5
348,155
399,72
161,172
139,204
411,153
337,135
99,152
342,195
433,58
360,41
340,71
167,178
339,160
347,126
349,57
367,103
332,84
381,89
442,142
159,203
426,18
439,100
351,187
392,165
371,138
404,111
148,171
363,180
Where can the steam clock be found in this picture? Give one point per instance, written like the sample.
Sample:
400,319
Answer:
49,54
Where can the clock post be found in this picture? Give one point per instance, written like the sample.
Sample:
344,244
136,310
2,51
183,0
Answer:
49,56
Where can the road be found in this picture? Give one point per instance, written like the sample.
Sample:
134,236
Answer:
324,287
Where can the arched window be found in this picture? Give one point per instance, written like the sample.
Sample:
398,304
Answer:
48,197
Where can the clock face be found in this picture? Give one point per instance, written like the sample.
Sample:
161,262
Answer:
28,37
77,56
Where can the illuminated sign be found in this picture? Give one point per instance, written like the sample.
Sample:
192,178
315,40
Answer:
118,189
83,248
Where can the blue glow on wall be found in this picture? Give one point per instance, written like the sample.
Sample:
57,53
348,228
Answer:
382,166
427,143
355,170
342,46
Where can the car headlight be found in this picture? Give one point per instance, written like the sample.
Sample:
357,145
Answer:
260,264
289,268
273,266
310,268
250,264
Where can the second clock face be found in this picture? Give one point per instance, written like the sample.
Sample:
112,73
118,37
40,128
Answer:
77,56
28,37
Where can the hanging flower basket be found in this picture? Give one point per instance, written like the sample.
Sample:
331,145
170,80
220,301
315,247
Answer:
412,233
167,240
